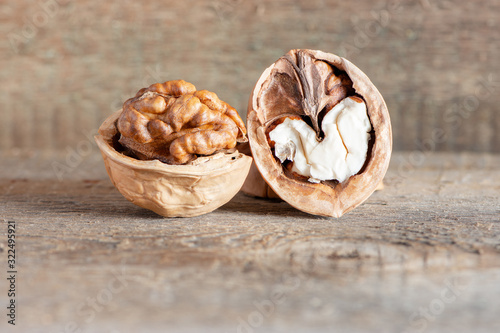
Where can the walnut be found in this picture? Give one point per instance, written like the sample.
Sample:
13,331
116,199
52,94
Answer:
319,132
175,123
171,149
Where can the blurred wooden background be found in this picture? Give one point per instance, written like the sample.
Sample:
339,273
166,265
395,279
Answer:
66,65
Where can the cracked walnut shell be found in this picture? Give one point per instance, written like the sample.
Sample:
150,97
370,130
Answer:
171,149
297,94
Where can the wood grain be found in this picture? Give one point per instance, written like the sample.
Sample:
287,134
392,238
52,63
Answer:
430,241
435,62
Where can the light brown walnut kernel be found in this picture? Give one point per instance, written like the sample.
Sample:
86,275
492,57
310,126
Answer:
175,123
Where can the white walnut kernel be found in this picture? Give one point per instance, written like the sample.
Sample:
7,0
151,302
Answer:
339,155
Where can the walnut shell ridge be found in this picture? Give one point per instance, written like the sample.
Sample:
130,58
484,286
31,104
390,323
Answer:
172,190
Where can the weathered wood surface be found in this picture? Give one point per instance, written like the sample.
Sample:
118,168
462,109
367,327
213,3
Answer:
423,255
66,65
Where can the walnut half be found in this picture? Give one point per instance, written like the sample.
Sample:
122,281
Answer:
171,149
319,132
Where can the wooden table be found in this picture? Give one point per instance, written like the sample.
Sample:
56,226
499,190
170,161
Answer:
422,255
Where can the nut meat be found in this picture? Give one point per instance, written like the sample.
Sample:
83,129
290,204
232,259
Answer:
175,123
171,149
319,132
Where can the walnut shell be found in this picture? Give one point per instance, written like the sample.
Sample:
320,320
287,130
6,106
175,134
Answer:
172,190
328,198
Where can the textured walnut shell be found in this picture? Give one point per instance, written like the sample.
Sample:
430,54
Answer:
327,199
172,190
